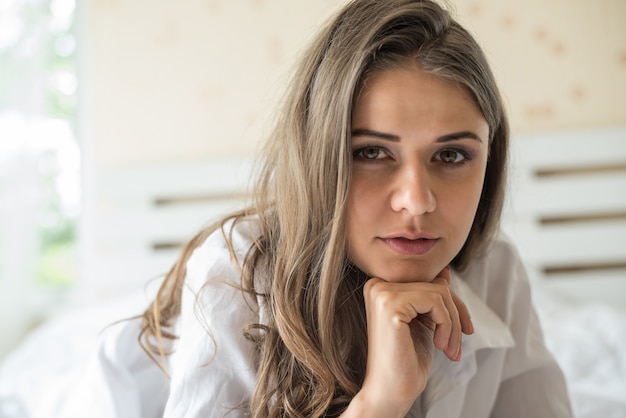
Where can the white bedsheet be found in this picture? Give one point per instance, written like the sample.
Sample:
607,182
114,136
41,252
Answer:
35,376
588,340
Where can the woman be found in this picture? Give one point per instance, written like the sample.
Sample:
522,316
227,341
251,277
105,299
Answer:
346,288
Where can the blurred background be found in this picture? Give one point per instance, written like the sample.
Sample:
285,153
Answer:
93,87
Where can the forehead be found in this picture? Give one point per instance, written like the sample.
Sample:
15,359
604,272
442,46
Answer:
410,88
408,68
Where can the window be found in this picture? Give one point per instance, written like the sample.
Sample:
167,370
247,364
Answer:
39,153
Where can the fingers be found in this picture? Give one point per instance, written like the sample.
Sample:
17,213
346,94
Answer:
467,327
448,334
406,301
463,313
448,330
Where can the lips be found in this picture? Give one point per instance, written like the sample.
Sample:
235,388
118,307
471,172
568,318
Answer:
410,246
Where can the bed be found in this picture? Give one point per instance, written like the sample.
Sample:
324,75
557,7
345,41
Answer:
566,211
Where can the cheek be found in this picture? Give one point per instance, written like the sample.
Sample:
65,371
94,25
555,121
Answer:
458,196
364,201
364,208
464,202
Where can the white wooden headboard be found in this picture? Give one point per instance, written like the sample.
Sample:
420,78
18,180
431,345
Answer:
139,218
566,211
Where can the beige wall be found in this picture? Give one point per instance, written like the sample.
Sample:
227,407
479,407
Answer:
190,79
561,64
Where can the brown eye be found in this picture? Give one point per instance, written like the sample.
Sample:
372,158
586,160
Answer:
370,153
451,157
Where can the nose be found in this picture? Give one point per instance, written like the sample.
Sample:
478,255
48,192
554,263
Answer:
413,192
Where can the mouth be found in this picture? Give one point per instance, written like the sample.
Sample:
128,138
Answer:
410,246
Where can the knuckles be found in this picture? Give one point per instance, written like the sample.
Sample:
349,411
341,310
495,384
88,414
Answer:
383,295
380,293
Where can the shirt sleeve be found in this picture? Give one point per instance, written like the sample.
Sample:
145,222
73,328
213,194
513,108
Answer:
213,367
532,382
119,380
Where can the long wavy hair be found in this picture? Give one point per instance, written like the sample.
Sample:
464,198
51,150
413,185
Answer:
313,348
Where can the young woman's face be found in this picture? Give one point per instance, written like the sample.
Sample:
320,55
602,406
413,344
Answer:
419,148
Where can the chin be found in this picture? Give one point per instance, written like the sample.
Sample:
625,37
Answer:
410,273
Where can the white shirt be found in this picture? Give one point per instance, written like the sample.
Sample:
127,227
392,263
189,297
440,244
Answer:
505,370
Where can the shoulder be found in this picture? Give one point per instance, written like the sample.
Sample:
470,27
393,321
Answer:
502,247
221,255
500,256
213,351
213,294
499,275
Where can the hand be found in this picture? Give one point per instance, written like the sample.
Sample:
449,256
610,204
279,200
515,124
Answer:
405,323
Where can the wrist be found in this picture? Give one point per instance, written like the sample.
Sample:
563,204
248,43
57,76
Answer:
362,406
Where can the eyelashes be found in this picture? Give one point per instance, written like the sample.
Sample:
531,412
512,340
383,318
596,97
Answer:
370,153
452,156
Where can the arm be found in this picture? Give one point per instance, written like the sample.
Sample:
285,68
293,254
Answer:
532,383
212,367
535,385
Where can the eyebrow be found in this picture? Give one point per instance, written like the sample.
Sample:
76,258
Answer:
395,138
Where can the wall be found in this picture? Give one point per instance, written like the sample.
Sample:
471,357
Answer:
186,80
561,64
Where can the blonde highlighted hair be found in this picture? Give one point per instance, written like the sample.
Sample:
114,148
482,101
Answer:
313,348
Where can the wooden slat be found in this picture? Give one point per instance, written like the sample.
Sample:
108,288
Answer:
564,244
581,170
148,223
592,267
167,245
588,287
563,196
590,147
582,218
199,198
219,176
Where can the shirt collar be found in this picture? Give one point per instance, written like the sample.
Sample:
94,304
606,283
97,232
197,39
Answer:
489,332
